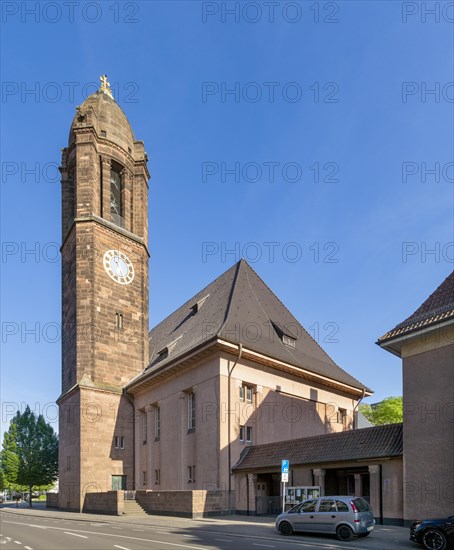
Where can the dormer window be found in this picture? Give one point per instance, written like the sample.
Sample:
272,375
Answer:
196,307
289,340
165,351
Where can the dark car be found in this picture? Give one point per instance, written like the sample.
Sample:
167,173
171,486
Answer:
436,534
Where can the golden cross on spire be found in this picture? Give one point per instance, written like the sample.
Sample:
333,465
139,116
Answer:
105,86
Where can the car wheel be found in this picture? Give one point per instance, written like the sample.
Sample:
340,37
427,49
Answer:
434,539
285,528
344,532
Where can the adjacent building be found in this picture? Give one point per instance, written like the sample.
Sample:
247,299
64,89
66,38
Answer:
425,342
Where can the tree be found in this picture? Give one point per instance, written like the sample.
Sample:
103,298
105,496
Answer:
30,452
388,411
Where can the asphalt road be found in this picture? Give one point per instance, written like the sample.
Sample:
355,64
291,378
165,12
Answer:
42,533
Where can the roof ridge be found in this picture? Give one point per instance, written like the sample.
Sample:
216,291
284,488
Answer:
232,292
299,323
190,299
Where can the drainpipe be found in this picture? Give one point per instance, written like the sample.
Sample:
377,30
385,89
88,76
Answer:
131,402
381,493
355,419
230,370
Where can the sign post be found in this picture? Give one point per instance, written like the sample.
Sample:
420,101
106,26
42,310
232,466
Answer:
284,479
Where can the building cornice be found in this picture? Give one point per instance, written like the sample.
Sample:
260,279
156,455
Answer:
216,344
108,225
394,343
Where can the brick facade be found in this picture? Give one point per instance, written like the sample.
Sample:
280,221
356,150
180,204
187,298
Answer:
105,322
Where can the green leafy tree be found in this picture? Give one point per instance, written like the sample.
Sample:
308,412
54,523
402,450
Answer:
388,411
30,452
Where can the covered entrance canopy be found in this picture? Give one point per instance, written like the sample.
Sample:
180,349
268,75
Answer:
365,462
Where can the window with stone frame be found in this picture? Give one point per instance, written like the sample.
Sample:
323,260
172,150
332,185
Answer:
191,411
116,194
144,427
157,422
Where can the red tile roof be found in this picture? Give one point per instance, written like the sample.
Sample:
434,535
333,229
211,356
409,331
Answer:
364,444
438,307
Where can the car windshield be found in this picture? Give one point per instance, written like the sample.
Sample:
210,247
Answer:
361,505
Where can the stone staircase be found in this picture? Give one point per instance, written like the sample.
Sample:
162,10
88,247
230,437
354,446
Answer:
133,508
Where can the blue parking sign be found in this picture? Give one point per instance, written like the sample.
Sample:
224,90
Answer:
284,467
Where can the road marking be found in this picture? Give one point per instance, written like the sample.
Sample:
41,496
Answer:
159,542
30,525
17,542
223,540
139,530
76,535
260,544
121,547
119,528
28,548
301,544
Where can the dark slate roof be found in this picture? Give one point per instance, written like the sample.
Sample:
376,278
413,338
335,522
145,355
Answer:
438,307
239,307
364,444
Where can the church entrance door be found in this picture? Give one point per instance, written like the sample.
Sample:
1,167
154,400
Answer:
118,483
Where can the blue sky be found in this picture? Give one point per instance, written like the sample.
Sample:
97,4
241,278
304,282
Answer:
335,97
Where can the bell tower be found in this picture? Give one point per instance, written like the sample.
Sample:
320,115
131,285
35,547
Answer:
105,255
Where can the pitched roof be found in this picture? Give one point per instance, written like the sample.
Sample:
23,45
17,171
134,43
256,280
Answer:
366,443
438,307
238,307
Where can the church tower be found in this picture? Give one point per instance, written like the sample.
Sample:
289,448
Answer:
104,298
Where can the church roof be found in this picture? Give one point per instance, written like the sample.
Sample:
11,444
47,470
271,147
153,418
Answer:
103,113
439,307
364,444
238,307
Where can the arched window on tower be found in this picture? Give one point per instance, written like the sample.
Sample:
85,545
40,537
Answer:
116,195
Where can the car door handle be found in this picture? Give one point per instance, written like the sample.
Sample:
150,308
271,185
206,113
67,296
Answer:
334,517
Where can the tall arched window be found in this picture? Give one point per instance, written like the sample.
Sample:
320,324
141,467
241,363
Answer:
116,188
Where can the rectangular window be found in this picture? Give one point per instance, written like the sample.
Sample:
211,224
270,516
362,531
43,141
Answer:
144,478
144,427
119,321
248,434
241,434
191,411
157,477
122,442
116,442
246,393
157,423
68,463
342,416
191,474
116,188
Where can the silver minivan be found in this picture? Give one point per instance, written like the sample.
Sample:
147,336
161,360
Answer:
340,515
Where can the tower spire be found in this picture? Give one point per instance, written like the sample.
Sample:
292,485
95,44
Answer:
105,86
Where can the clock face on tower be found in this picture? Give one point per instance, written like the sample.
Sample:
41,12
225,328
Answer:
119,267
